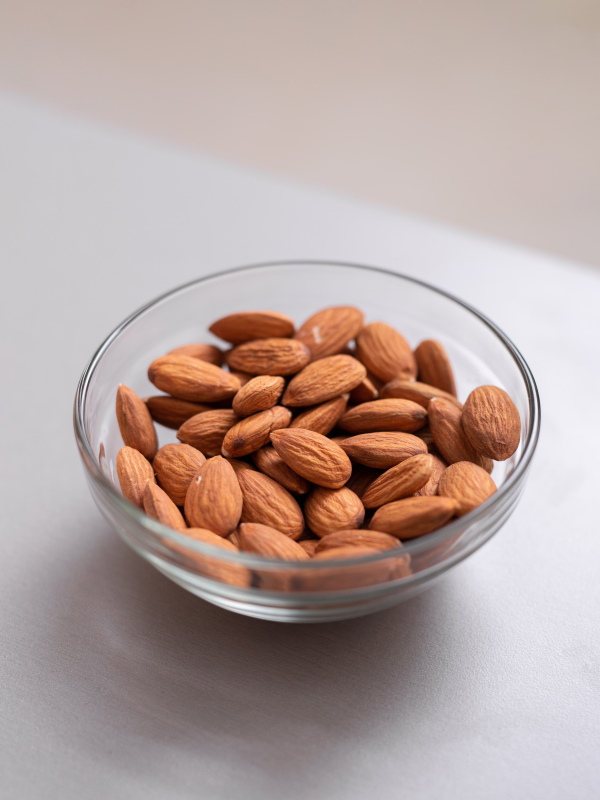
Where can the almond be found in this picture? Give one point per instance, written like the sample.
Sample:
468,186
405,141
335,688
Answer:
215,568
206,431
329,510
353,575
269,357
323,380
214,498
328,331
434,366
309,546
258,394
244,326
243,377
400,481
134,472
346,551
430,488
357,538
172,412
466,483
192,379
362,477
382,450
135,422
313,456
239,465
159,506
267,502
251,433
416,391
449,436
322,418
271,463
175,466
233,538
269,542
384,415
385,352
413,516
491,422
364,392
205,352
425,435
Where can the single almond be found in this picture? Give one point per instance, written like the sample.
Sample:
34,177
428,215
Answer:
416,391
346,552
385,352
268,460
175,466
383,450
466,483
353,574
244,326
213,567
172,412
243,377
206,431
322,418
430,488
252,433
365,391
434,366
491,422
159,506
269,542
135,422
449,436
192,379
328,331
214,498
309,546
323,380
269,357
384,415
234,539
313,456
413,516
258,394
400,481
205,352
134,472
362,477
329,510
267,502
238,464
357,538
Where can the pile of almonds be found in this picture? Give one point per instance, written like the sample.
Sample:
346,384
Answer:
332,441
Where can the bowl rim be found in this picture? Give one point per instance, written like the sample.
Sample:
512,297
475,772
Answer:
411,547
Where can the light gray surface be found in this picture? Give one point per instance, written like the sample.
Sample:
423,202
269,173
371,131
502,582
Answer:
115,682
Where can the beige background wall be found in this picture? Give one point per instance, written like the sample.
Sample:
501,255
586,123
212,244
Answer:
481,114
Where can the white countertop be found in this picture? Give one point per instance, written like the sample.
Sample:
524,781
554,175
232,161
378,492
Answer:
117,683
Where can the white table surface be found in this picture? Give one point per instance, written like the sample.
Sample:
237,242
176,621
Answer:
116,682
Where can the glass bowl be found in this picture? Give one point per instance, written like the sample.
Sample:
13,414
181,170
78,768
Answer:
306,591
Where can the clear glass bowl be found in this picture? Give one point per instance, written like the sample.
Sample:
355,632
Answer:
306,591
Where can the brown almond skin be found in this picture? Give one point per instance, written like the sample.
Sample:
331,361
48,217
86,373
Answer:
384,415
206,431
215,568
159,506
413,516
362,477
357,538
267,502
269,357
243,377
491,422
434,366
313,456
466,483
309,546
135,422
400,481
416,391
269,542
214,498
346,551
322,418
323,380
329,510
268,460
328,331
383,450
258,394
385,352
192,379
365,392
205,352
252,433
430,488
244,326
171,411
134,472
449,436
175,465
